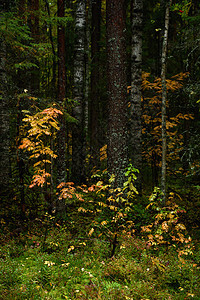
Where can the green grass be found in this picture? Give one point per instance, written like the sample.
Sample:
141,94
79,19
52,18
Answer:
65,266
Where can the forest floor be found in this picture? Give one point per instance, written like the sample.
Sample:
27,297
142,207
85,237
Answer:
52,260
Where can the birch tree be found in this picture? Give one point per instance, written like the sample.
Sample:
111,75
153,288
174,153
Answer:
116,80
135,133
61,138
78,137
164,97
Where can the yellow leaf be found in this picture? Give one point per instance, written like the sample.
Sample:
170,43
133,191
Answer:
122,246
112,207
103,223
70,249
81,209
65,264
99,183
102,204
84,244
91,232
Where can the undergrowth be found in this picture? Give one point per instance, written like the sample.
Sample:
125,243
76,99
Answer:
107,247
72,265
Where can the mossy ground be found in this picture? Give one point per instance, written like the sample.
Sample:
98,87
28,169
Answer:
60,261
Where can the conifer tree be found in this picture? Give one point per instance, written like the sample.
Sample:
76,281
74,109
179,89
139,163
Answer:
95,77
4,113
117,83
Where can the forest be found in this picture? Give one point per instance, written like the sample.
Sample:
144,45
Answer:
100,149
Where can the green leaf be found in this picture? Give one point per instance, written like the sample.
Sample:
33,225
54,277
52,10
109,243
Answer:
134,177
112,178
25,65
132,188
126,183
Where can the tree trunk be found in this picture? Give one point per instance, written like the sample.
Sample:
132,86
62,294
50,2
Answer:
4,122
21,9
164,97
35,19
95,99
117,83
87,69
135,134
34,80
53,81
4,115
78,134
20,161
61,138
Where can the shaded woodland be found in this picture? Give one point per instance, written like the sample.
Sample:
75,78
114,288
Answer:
100,144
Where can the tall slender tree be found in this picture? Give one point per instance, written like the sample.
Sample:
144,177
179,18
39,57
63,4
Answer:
61,137
164,97
87,66
78,134
53,81
95,98
34,22
135,133
4,113
34,28
117,83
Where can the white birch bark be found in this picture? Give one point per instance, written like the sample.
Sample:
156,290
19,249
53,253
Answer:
136,92
164,97
61,135
87,66
4,121
78,140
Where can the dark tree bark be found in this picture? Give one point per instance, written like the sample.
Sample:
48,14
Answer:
4,121
21,9
117,83
164,97
20,161
4,116
34,28
53,81
95,95
78,134
135,133
34,6
61,137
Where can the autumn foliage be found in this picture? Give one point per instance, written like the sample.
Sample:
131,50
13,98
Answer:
151,101
40,130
